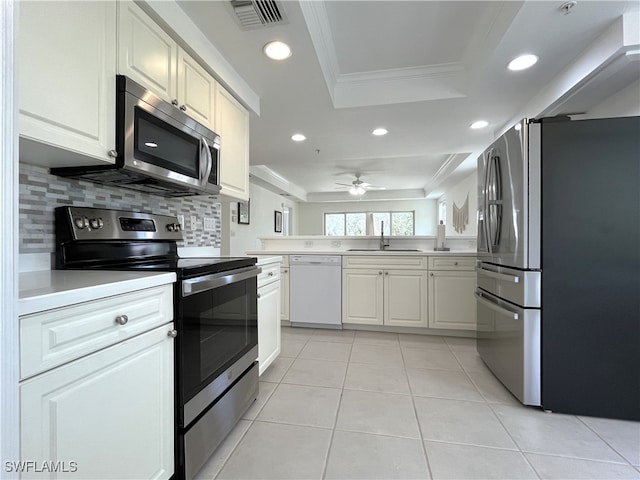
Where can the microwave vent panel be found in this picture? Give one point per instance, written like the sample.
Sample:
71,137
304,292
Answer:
258,13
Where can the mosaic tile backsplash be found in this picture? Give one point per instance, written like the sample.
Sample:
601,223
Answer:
41,193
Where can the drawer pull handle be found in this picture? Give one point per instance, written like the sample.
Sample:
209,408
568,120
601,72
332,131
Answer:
431,274
455,263
122,319
259,295
172,333
270,274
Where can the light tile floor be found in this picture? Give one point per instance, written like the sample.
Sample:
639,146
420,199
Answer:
366,405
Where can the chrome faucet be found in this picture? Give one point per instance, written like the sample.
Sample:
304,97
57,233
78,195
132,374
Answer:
382,244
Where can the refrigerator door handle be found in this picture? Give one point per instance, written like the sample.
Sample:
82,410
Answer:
495,307
498,276
494,204
486,228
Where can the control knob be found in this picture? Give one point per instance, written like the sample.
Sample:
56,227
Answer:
96,223
81,222
173,227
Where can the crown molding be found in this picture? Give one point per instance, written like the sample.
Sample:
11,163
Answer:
379,87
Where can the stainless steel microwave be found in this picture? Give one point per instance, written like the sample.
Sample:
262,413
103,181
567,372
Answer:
159,148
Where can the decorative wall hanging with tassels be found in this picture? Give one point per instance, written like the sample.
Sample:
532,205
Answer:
461,216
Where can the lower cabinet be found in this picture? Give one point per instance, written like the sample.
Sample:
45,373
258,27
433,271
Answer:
452,283
384,297
284,293
106,415
269,304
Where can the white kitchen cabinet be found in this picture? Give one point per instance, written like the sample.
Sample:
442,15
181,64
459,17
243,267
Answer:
232,124
99,391
452,283
269,305
284,293
362,296
405,298
376,294
152,58
67,57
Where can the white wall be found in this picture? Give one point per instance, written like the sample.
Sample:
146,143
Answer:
458,194
241,238
625,103
311,215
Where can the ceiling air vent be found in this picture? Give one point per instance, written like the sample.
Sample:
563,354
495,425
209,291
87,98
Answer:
258,13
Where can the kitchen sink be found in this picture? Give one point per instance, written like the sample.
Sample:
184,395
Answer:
385,250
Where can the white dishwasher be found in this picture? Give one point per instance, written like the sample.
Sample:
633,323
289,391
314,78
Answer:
315,291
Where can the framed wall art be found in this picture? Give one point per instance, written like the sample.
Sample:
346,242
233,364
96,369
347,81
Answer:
277,223
244,212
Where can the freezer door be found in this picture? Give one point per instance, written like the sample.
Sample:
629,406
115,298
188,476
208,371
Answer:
509,344
522,287
508,193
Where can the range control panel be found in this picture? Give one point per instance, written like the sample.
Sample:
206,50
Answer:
85,223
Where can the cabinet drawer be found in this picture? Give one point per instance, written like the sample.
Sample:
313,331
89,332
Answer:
55,337
385,261
452,263
270,273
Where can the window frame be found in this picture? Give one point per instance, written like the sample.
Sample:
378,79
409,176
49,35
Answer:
368,225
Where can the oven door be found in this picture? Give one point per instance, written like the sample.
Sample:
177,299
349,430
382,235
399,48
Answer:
217,337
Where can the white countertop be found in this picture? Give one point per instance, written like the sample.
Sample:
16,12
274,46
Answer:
47,289
423,253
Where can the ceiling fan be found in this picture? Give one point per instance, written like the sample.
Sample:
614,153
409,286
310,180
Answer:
358,187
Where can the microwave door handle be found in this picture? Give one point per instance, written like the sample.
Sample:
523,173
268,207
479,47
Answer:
205,152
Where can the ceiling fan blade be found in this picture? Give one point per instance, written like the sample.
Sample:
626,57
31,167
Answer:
344,184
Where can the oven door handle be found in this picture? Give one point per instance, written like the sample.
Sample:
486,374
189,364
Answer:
192,286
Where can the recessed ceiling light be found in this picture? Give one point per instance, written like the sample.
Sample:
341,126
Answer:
277,50
479,124
378,132
298,137
522,62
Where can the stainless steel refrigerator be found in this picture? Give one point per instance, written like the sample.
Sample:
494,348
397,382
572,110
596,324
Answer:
558,297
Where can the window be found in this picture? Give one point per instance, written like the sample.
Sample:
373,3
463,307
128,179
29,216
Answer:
442,211
359,223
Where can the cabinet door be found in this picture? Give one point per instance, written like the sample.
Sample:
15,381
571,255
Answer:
284,293
405,298
67,72
232,124
146,54
196,90
452,303
268,324
362,292
110,412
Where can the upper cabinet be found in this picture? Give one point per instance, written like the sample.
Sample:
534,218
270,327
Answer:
232,124
150,57
67,57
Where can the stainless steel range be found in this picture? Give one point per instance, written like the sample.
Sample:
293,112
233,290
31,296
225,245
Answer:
215,313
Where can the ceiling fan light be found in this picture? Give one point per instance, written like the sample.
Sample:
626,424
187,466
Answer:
357,190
